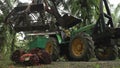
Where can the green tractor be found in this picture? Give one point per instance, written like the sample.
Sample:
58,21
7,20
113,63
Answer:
94,40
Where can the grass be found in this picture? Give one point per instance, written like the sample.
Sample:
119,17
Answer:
6,63
97,65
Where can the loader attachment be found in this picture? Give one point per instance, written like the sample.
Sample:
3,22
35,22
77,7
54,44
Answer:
31,28
34,7
70,21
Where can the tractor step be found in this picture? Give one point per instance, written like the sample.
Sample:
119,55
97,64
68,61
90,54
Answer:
43,33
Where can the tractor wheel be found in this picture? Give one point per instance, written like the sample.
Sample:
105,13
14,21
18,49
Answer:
118,53
106,53
81,47
52,48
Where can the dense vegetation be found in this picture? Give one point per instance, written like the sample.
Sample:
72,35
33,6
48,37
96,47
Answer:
87,10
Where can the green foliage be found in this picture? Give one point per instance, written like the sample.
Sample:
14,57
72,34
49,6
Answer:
1,18
116,16
84,9
7,33
97,65
8,40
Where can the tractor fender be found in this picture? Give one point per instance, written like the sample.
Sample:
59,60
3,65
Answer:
39,42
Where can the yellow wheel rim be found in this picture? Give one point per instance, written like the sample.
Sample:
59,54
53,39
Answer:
49,48
77,47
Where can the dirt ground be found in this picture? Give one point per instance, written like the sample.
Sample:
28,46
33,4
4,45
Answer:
78,64
101,64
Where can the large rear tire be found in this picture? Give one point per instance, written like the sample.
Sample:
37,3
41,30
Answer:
118,53
52,48
106,53
81,47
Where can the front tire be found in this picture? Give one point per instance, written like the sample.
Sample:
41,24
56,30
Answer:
52,48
